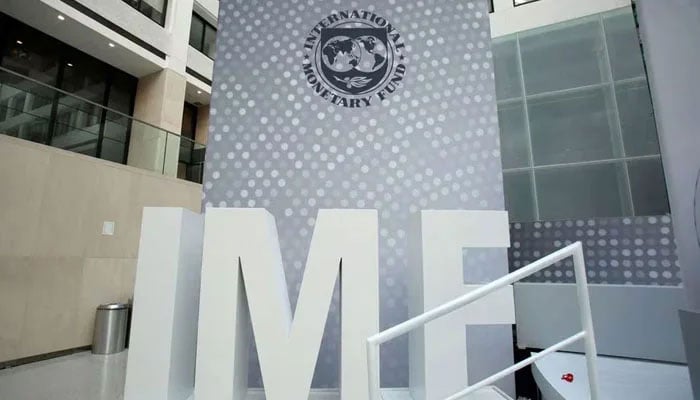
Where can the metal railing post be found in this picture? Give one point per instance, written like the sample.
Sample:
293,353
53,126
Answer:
584,304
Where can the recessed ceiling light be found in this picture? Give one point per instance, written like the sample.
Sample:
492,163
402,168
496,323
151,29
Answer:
61,17
70,64
20,42
111,44
199,92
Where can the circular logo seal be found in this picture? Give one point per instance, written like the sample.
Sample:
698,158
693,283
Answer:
354,58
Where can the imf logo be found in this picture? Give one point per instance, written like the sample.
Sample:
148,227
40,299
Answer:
353,57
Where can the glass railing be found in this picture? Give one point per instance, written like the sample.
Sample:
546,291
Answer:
34,111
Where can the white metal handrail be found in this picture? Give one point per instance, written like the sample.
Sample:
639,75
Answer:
587,335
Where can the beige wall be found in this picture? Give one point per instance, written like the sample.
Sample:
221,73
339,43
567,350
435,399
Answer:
160,98
55,265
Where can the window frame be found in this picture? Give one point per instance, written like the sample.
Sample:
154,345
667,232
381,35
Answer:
137,7
205,24
66,55
531,210
524,2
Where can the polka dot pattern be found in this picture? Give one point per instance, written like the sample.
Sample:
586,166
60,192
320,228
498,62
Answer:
275,144
631,251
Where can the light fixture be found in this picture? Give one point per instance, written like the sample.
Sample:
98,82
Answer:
111,44
19,42
199,92
61,17
70,64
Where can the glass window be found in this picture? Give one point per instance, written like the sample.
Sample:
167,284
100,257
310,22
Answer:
209,47
507,69
515,146
189,121
562,57
519,195
624,46
648,186
196,32
581,191
153,9
586,119
203,36
27,52
117,127
571,127
76,121
637,118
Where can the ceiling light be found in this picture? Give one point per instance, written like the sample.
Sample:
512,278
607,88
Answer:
70,64
20,42
199,92
61,17
111,44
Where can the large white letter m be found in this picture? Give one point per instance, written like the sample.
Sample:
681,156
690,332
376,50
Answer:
243,280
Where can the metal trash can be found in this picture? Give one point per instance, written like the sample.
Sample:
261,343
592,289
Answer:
110,328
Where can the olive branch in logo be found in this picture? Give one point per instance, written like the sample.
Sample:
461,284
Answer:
355,82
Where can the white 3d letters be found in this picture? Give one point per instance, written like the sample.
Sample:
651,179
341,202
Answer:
438,351
243,277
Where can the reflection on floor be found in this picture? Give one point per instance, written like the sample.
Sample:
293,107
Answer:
81,376
85,376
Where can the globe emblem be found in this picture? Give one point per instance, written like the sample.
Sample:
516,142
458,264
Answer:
373,54
341,54
365,53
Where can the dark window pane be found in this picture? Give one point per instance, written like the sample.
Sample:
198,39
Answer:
153,9
637,119
562,57
121,92
84,77
515,147
189,121
209,41
196,32
520,200
581,191
571,127
648,187
113,150
28,52
79,120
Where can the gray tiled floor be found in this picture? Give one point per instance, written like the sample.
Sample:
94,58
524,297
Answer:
85,376
81,376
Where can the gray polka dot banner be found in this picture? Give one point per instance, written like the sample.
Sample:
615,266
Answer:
631,251
428,141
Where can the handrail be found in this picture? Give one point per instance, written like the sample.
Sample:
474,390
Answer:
82,99
575,250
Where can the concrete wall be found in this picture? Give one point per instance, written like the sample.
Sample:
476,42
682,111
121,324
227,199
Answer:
200,63
670,32
55,265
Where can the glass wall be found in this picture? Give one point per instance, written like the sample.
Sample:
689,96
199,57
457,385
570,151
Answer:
153,9
203,36
191,160
62,120
578,136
